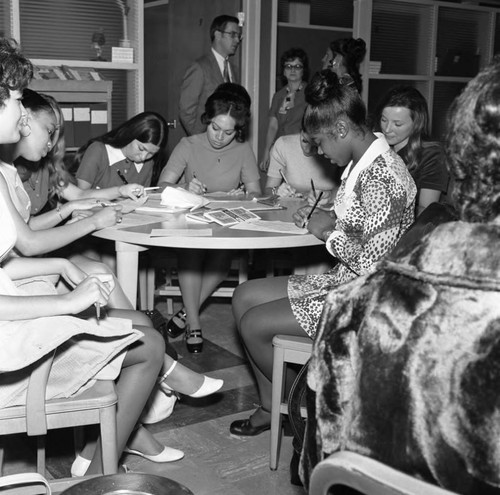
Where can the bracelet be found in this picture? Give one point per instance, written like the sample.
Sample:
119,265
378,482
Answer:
326,234
58,209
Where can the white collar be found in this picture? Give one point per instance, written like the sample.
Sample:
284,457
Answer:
220,62
115,155
375,149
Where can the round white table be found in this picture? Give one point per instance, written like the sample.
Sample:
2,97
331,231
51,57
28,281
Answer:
129,241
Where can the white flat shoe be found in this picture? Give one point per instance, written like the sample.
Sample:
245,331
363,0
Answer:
166,455
79,466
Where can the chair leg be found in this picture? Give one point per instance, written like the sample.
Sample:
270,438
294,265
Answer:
278,392
40,454
108,440
150,291
1,456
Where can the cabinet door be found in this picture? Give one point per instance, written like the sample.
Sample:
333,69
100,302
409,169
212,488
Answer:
175,35
401,37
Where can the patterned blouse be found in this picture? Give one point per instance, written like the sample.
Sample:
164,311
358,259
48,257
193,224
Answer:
374,207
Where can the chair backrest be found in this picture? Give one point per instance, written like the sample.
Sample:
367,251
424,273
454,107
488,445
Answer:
367,476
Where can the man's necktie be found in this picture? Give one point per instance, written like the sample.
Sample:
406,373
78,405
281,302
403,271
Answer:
225,74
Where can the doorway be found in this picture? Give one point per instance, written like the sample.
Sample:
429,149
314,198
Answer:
176,33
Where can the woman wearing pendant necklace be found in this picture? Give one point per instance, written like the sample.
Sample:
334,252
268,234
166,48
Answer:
288,104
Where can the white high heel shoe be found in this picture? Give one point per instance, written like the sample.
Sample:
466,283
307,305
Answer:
162,400
208,387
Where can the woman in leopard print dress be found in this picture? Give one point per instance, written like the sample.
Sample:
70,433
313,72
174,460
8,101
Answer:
373,208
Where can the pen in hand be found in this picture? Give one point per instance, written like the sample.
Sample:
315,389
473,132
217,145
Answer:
122,177
312,209
313,189
97,312
203,186
284,178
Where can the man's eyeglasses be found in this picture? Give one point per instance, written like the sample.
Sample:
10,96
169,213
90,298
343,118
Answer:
295,67
235,35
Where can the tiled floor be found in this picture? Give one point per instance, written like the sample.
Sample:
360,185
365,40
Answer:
216,463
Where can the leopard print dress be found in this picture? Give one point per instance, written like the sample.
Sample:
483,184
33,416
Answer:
374,207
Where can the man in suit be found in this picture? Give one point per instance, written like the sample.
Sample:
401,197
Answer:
205,74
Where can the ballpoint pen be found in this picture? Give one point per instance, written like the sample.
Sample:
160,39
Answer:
152,188
97,312
203,185
313,189
122,177
312,209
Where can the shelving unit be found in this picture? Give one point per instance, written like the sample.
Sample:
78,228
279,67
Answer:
435,46
60,32
90,96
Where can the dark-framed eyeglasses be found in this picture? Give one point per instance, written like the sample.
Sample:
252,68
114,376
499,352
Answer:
293,67
235,35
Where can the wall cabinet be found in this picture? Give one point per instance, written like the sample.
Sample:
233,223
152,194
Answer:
435,46
63,32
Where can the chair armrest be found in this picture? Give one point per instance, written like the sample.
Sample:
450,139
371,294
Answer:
36,422
367,476
24,479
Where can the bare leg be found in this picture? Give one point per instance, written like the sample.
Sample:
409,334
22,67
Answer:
190,270
262,310
215,270
140,369
200,273
118,299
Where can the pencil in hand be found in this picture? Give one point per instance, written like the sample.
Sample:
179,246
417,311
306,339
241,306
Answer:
318,199
284,178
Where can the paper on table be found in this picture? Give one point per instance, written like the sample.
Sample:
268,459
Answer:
249,205
181,232
133,219
179,198
270,226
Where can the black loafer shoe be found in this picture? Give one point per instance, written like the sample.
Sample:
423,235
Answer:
244,428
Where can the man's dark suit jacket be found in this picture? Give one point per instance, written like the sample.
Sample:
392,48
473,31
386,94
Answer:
200,80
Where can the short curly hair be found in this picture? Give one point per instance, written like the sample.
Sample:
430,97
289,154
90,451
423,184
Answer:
290,55
16,70
473,147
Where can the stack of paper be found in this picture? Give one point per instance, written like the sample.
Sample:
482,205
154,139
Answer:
175,197
375,67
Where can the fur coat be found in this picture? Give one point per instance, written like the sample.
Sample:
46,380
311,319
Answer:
406,363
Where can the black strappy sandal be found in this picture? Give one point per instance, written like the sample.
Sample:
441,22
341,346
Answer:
177,325
194,340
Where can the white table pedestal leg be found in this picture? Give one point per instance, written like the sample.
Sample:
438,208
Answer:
127,268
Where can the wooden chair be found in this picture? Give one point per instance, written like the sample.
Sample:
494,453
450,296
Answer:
286,349
367,476
21,481
97,405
